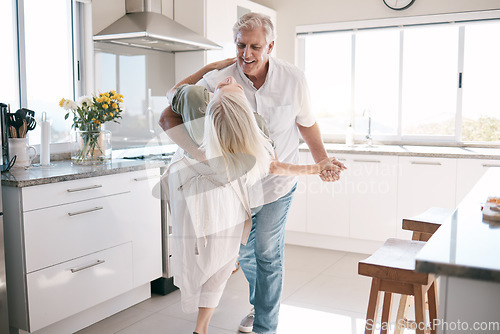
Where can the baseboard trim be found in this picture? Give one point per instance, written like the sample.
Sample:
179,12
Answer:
95,314
331,242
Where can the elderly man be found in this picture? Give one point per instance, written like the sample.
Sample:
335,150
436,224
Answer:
278,92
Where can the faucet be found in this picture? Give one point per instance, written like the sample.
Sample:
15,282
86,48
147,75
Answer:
368,137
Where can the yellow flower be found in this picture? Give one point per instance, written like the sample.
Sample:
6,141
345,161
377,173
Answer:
113,92
114,105
61,102
105,106
119,100
106,94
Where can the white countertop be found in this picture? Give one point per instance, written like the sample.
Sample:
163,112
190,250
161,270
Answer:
410,150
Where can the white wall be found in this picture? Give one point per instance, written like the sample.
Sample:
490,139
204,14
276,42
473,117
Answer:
292,13
105,12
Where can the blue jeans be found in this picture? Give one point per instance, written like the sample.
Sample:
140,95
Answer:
262,261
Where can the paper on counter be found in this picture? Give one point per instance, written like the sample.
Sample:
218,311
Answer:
45,141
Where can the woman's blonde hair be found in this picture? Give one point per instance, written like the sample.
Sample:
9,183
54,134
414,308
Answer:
231,132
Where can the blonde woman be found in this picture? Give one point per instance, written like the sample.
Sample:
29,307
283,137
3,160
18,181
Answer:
224,150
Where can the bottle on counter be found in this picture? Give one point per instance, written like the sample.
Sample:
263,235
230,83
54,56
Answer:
349,135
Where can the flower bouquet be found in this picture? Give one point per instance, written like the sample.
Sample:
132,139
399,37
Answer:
93,145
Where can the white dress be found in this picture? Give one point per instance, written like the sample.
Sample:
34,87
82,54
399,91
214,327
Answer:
209,217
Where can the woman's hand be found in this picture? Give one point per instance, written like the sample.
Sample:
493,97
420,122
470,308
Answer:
195,77
218,65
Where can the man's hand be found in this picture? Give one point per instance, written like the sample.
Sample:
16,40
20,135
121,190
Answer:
331,169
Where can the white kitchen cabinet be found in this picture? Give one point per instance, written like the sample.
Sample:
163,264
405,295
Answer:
297,215
328,205
146,230
64,289
76,244
377,191
372,189
424,182
361,205
469,171
75,229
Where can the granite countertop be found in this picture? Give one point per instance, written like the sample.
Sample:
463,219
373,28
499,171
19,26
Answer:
65,171
466,245
409,150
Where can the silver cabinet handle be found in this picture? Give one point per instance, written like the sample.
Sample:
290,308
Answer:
72,190
84,211
426,163
490,165
77,269
374,161
144,178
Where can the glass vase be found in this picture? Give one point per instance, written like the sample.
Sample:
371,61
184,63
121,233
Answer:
91,147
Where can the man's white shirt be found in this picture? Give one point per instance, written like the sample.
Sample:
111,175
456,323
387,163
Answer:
283,100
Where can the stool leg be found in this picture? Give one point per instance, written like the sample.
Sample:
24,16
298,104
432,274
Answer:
386,312
419,293
371,313
433,304
404,303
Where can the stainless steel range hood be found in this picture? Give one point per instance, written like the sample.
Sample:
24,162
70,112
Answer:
145,27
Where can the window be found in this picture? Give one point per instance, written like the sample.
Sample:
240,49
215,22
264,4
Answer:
143,77
481,88
8,57
46,60
334,51
377,80
429,96
419,80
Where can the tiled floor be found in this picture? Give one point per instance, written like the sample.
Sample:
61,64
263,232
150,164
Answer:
322,294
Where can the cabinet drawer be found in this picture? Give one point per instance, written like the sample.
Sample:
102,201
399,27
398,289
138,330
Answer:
61,233
71,287
53,194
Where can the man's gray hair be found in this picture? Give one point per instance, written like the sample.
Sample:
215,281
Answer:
252,21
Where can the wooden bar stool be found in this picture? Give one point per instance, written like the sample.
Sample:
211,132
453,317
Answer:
392,268
423,226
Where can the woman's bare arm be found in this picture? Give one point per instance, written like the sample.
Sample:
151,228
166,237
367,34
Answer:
195,77
280,168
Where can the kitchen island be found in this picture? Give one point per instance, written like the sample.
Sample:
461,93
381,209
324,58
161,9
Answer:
464,253
81,242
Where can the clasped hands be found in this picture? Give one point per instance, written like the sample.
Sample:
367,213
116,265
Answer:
330,169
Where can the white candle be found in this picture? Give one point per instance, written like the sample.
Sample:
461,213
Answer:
45,141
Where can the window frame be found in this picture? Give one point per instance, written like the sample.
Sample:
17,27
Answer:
453,18
78,56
